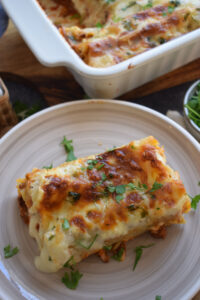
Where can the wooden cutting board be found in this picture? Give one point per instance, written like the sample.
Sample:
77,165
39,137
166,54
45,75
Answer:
58,85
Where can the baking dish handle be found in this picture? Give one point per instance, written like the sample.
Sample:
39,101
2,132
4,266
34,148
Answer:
39,33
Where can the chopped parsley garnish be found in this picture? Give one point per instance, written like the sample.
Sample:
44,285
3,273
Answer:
111,188
139,187
170,9
195,201
8,252
138,253
109,1
133,147
70,263
100,166
75,16
99,25
103,178
71,281
148,5
75,196
199,183
118,255
51,237
108,248
162,40
119,198
90,245
69,149
48,167
175,2
193,107
91,163
65,224
120,189
130,4
23,111
156,186
83,168
158,298
131,207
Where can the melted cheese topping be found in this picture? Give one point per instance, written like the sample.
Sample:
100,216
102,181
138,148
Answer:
106,198
106,32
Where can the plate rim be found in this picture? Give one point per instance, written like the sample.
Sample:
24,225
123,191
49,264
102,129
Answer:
9,135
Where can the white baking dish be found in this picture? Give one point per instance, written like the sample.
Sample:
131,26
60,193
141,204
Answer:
52,50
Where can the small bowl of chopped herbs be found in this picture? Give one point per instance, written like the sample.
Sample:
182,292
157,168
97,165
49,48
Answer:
192,109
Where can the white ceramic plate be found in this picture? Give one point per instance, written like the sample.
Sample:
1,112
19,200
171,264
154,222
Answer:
171,268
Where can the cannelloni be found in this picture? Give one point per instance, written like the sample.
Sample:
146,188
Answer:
79,207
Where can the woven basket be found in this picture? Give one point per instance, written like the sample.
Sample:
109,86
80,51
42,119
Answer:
8,117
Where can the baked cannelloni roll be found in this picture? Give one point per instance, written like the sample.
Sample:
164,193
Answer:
77,208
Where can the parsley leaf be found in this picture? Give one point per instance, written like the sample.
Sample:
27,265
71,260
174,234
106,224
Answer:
100,166
90,245
195,201
118,255
130,4
69,149
65,224
138,253
70,263
111,188
74,195
156,186
91,163
120,189
71,281
170,9
99,25
48,167
119,198
23,111
158,298
108,248
8,252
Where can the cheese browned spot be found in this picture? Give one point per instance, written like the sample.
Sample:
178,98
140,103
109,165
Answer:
107,199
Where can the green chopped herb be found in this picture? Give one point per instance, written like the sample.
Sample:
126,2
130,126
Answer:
83,168
175,2
91,163
65,224
69,149
193,106
8,252
103,178
70,263
48,167
111,188
144,186
195,201
170,9
90,245
51,237
157,208
100,166
74,195
140,186
156,186
127,25
101,298
131,207
199,183
75,16
109,1
72,38
158,298
119,198
162,40
120,189
108,248
99,25
71,281
164,14
148,5
130,4
23,111
118,255
116,19
138,253
133,147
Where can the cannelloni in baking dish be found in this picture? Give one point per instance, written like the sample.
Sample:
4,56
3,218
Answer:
79,207
106,32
